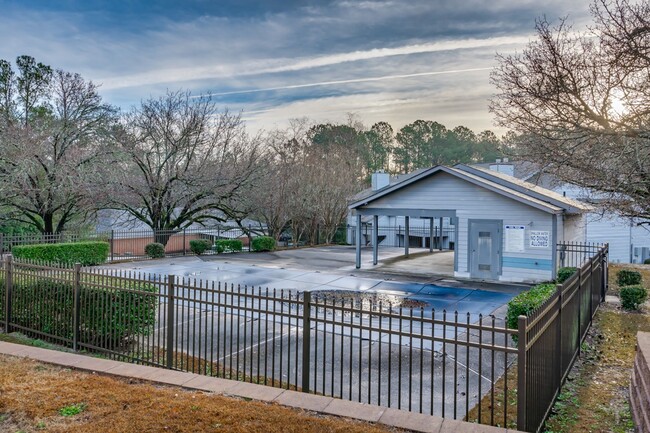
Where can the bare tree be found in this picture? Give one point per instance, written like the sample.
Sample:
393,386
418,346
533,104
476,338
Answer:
181,161
580,103
54,130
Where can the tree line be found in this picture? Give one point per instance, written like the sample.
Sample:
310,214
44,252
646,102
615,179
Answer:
177,160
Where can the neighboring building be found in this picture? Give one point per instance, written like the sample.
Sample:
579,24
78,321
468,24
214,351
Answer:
629,241
504,229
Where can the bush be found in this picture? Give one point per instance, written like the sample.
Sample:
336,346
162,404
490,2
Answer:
646,262
263,243
155,250
633,296
229,245
110,318
199,246
564,274
527,302
626,277
86,253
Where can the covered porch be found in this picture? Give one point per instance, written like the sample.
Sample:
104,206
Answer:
435,239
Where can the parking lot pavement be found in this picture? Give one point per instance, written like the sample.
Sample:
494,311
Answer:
273,271
352,364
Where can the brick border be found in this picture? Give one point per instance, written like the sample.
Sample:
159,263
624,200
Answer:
415,422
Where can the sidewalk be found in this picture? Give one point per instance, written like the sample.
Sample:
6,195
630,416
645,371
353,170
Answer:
325,405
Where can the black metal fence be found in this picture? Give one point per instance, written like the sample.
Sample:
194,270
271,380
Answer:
130,244
575,254
550,342
352,347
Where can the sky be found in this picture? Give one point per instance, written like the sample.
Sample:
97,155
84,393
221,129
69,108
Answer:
274,60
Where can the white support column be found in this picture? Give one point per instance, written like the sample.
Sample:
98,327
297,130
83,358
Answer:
440,244
357,241
406,235
375,239
431,235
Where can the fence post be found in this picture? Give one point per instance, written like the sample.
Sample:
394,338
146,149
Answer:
250,239
171,282
521,373
76,313
306,339
579,309
112,245
558,343
9,278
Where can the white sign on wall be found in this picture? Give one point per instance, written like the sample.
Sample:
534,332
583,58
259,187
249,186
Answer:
540,239
515,239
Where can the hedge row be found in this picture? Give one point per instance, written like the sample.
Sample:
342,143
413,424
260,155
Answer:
108,317
86,253
263,243
633,294
229,246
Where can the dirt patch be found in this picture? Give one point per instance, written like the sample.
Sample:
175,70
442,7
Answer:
595,396
32,396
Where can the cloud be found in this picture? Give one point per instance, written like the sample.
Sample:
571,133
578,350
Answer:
350,81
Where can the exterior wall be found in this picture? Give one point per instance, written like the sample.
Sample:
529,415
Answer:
625,238
574,228
444,191
135,246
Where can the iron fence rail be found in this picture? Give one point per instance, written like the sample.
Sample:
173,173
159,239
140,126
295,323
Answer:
364,349
550,337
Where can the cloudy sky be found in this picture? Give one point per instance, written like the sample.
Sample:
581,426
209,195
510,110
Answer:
390,60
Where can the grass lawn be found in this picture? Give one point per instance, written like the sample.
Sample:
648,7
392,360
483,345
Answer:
595,397
36,397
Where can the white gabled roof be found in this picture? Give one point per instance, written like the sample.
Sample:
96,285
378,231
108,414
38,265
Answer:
536,197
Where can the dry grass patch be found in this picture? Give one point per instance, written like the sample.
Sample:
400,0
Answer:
595,397
37,397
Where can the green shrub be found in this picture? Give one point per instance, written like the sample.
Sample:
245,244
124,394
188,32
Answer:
527,302
199,246
263,243
86,253
626,277
108,317
633,296
229,245
564,274
646,262
155,250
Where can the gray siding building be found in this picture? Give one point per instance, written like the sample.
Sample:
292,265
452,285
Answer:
505,229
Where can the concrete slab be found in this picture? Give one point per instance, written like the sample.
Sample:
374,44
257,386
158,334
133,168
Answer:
11,349
98,365
454,426
316,403
133,370
210,384
255,392
169,377
411,421
355,410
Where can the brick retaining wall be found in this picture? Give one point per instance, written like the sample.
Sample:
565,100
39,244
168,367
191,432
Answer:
640,384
